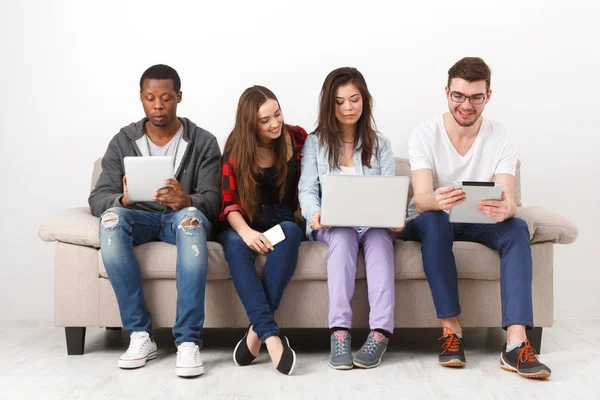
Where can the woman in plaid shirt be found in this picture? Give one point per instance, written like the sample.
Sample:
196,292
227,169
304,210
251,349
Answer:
260,172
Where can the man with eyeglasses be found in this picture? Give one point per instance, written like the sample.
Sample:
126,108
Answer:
462,145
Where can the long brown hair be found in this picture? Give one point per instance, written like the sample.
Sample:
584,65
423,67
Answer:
242,148
327,124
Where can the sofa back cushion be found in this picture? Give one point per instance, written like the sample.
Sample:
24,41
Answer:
402,169
96,173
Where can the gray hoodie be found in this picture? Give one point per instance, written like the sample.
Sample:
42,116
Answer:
197,166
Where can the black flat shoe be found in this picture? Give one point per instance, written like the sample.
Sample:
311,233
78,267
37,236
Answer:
288,358
241,354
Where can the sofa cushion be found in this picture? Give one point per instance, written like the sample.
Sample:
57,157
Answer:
73,225
547,226
474,261
518,184
157,261
403,169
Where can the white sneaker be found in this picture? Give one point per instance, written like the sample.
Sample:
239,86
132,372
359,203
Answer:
188,360
141,349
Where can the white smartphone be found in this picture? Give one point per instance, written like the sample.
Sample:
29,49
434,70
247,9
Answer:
275,234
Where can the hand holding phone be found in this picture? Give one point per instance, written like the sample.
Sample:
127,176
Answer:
275,235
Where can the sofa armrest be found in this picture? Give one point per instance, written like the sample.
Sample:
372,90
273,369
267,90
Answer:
73,225
547,226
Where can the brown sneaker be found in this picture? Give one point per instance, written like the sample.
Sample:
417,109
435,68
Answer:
452,353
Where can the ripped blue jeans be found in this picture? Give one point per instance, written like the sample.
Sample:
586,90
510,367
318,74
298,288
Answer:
121,229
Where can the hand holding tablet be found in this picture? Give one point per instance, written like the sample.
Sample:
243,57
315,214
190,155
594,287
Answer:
449,196
172,195
146,175
479,204
125,199
498,210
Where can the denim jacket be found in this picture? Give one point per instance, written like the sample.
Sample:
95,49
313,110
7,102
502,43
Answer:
315,164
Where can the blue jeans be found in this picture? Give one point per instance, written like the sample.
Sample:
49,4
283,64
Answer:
121,229
510,238
261,298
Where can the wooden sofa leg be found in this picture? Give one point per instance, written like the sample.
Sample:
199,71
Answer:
535,338
75,340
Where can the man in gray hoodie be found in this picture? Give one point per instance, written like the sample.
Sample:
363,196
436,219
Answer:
179,214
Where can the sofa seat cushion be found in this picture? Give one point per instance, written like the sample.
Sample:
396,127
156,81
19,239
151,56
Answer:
474,261
157,261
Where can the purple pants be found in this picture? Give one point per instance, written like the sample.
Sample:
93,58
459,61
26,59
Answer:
378,245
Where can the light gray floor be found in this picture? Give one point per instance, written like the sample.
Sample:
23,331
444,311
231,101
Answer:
34,365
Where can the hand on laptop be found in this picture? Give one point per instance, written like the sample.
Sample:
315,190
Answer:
125,199
396,230
498,210
172,195
256,241
448,197
315,221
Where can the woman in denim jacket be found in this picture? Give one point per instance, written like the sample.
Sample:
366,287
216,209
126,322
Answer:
346,142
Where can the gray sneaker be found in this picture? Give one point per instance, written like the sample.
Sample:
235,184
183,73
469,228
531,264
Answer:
341,357
369,355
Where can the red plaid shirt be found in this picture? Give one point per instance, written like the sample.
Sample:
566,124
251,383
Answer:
231,197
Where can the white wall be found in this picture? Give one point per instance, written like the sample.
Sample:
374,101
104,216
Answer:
70,72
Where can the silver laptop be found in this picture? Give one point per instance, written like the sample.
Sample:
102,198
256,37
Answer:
145,175
369,201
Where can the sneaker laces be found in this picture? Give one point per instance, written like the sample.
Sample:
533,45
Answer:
341,344
527,354
136,342
187,351
452,343
373,342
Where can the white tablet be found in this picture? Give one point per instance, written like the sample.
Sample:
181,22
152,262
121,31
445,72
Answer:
145,175
476,192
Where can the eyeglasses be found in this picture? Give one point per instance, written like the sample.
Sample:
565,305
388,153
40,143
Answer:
460,98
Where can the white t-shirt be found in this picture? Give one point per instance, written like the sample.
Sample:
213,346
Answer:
493,152
347,170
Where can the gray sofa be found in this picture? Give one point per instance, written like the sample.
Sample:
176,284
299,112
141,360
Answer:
84,296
